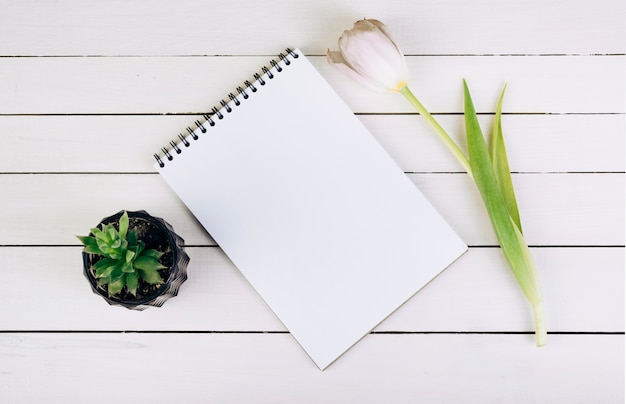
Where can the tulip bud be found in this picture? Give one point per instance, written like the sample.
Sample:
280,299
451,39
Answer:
368,54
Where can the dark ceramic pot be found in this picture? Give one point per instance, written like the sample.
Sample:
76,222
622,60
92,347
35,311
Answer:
157,234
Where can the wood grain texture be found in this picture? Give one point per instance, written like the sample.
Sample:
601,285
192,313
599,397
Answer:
556,209
163,85
476,294
248,27
269,368
536,143
89,91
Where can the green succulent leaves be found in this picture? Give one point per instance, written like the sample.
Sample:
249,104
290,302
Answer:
125,260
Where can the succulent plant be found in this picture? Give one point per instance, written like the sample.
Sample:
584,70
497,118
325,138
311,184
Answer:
124,258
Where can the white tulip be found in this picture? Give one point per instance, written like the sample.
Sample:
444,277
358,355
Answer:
369,55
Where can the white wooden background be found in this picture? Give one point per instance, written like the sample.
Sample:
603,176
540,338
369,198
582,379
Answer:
89,90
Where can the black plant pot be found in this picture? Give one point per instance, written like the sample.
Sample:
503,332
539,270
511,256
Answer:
157,234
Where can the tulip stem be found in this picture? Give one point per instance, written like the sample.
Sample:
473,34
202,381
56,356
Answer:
540,323
443,135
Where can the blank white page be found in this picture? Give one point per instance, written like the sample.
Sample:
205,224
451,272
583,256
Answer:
310,208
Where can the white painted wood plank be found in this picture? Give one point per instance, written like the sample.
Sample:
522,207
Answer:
556,209
583,291
537,84
559,209
269,368
29,27
536,143
583,285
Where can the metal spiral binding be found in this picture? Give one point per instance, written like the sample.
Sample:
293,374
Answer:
178,145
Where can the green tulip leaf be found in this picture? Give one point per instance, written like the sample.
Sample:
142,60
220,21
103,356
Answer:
509,236
501,168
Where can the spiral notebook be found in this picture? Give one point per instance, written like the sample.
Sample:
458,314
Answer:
308,206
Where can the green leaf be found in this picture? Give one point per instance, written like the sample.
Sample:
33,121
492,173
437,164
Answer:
93,250
512,242
116,243
148,263
123,225
104,237
130,255
132,280
127,267
501,165
91,245
111,253
153,254
117,285
117,272
105,267
131,237
87,240
151,276
105,234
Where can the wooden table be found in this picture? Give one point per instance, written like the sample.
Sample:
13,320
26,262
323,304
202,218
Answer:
88,92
